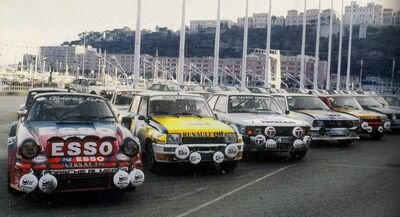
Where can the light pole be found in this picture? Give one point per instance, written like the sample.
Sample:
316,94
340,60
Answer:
303,47
244,54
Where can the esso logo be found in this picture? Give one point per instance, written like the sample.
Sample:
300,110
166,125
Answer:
60,149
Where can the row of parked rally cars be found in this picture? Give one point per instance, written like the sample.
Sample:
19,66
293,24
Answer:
65,141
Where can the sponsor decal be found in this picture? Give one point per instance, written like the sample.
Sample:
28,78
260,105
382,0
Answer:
74,131
83,164
195,158
277,122
86,171
73,98
259,140
250,97
61,149
203,134
136,177
218,157
121,179
48,183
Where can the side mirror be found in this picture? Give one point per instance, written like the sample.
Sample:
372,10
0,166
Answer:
127,121
287,112
141,117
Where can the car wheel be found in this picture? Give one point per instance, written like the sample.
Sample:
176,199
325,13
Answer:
345,143
11,189
94,93
298,155
151,161
229,166
377,135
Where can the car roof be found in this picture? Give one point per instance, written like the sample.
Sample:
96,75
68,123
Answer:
44,89
292,94
232,93
166,93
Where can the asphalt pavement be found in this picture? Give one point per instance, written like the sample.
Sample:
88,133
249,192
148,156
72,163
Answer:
360,180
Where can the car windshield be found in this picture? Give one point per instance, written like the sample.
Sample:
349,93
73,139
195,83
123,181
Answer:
345,102
123,97
70,108
306,103
368,101
179,105
254,104
381,100
393,101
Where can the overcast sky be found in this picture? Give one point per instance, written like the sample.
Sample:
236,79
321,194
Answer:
50,22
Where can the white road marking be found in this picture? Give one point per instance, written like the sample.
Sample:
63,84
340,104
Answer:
232,192
187,194
351,166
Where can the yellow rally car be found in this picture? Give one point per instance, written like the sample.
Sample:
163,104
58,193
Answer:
175,127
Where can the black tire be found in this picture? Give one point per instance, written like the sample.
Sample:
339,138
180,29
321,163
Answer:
376,135
93,93
345,143
11,189
298,155
229,166
154,166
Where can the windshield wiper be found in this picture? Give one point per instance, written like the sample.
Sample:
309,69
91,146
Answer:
187,113
266,110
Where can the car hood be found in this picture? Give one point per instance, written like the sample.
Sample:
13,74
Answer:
41,132
383,110
201,126
363,114
325,115
252,119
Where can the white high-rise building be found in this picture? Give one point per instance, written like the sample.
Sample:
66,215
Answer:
387,17
196,25
260,21
368,15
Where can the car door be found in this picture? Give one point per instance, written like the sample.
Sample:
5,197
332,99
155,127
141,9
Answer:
141,125
220,108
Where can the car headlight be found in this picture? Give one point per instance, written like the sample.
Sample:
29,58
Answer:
130,147
174,138
29,149
318,123
230,138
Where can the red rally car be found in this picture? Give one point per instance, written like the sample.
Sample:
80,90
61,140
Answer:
71,142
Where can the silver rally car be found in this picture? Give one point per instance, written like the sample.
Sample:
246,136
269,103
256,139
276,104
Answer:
326,125
264,126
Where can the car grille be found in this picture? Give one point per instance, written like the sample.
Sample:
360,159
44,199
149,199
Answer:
203,140
68,183
373,122
280,131
338,124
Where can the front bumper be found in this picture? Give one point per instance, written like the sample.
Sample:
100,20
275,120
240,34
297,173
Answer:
336,134
283,144
65,177
165,153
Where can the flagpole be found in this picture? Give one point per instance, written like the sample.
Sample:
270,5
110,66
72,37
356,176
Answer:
316,63
182,46
340,49
244,54
267,70
328,71
349,48
303,47
216,46
136,64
